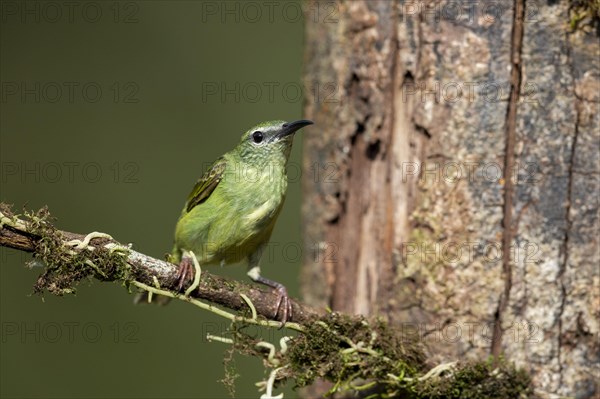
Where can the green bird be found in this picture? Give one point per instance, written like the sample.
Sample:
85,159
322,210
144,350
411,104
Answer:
230,214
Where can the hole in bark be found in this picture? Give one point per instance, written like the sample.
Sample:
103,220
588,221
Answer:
360,129
408,78
373,149
334,220
423,131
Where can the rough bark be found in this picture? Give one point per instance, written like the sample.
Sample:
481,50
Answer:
472,221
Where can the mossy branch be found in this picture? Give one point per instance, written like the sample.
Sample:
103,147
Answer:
108,260
368,357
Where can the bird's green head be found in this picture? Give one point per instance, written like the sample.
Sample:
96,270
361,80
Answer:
269,141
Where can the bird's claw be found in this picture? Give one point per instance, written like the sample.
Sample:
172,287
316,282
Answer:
285,304
185,273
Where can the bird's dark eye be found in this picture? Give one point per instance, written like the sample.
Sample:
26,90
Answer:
257,137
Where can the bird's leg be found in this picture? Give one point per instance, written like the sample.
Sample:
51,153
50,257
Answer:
185,272
283,301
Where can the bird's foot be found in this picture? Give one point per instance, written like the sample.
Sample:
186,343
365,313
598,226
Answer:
284,304
185,273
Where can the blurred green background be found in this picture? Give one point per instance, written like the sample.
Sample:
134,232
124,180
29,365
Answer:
110,111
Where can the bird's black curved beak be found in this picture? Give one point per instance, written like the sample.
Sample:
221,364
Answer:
291,127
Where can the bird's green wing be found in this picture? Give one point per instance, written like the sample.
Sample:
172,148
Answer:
207,184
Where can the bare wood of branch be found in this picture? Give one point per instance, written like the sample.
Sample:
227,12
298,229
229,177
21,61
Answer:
15,234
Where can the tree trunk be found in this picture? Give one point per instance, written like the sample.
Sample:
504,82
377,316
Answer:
455,178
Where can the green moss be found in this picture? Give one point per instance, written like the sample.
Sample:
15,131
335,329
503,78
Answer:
584,13
345,349
66,266
374,358
477,380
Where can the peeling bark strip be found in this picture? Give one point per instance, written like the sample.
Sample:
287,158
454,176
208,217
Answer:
357,206
509,167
